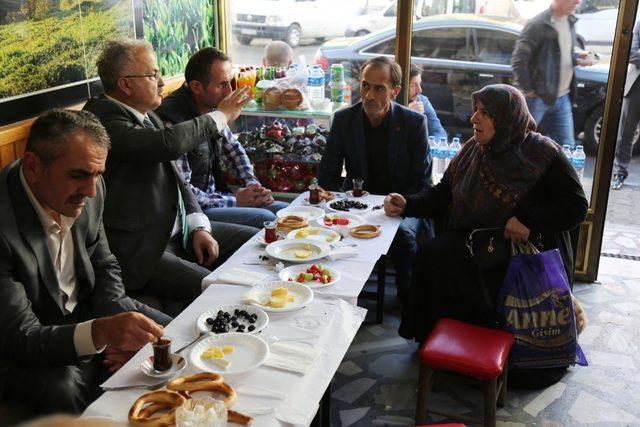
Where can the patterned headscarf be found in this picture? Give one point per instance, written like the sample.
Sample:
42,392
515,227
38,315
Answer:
487,181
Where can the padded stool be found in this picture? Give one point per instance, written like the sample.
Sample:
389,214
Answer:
474,351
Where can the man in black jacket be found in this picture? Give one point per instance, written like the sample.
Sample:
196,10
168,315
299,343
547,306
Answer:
155,227
543,61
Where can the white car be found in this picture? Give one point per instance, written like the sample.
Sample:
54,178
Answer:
293,20
596,28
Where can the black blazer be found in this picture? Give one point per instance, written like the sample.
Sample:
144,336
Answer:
409,158
34,329
142,184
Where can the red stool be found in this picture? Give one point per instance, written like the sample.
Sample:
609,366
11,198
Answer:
461,348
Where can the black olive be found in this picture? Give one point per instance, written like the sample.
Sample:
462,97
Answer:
251,328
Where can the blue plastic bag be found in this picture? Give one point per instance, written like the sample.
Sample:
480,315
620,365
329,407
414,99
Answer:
535,305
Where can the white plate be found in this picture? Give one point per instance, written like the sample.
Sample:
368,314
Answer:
260,239
284,249
260,324
309,213
352,210
303,294
354,220
322,234
178,365
349,194
249,353
293,271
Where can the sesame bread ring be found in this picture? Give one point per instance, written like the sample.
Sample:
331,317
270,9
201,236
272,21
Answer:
365,231
221,388
194,382
166,399
239,418
325,195
291,222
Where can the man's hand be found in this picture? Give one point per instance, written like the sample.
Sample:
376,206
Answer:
516,231
114,359
232,105
264,197
394,204
248,196
417,106
125,331
205,248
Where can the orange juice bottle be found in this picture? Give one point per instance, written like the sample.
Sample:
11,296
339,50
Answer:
242,79
252,79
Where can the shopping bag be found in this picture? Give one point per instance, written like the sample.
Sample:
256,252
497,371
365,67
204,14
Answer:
535,305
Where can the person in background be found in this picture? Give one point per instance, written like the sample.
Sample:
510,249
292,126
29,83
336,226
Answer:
277,54
385,144
543,61
155,226
62,296
207,82
629,115
420,103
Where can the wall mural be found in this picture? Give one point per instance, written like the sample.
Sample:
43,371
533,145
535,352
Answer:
49,48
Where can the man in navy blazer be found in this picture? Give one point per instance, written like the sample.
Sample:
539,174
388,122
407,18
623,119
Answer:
385,144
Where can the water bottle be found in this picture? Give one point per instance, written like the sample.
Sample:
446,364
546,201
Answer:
293,69
578,160
454,148
566,149
432,145
316,83
443,147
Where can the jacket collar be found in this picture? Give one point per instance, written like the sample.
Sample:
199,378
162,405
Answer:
548,16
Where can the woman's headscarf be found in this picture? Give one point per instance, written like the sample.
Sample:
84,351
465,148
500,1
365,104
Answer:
487,181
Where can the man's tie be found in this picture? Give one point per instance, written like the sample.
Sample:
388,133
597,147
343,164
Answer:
146,122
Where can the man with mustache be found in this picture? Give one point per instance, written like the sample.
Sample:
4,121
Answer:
385,144
62,296
156,229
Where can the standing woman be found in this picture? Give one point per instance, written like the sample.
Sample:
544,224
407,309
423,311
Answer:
508,176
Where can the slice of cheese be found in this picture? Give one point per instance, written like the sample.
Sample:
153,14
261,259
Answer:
302,253
228,349
279,292
222,363
278,302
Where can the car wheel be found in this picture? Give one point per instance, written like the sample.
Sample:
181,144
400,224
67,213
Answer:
293,36
245,40
592,129
360,33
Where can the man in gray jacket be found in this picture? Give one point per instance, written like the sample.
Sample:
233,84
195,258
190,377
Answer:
543,61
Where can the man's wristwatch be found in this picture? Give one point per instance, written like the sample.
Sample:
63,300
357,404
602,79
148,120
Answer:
200,228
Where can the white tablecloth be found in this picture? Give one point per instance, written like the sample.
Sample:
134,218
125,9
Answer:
329,323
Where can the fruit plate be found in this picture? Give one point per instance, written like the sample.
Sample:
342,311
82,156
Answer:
249,352
293,272
259,295
321,234
330,206
261,321
354,220
309,213
298,250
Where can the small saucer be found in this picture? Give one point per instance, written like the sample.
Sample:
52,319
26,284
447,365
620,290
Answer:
350,194
305,202
178,365
260,239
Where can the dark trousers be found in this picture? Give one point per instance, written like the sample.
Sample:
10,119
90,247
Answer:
55,389
403,251
629,118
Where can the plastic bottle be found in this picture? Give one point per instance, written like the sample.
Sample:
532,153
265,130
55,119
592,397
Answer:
566,149
454,148
578,160
432,145
316,83
443,148
301,76
291,72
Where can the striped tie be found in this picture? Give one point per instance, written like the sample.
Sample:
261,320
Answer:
146,122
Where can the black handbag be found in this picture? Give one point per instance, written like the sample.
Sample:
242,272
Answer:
488,248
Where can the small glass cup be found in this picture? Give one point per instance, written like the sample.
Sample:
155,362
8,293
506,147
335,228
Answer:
357,187
162,355
314,194
270,234
205,412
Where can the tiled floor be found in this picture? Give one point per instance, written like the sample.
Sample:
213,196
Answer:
376,384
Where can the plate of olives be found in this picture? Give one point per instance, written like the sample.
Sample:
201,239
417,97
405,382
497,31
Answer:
232,318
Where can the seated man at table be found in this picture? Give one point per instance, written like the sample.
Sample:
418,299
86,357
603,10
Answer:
63,299
207,82
155,226
420,103
385,144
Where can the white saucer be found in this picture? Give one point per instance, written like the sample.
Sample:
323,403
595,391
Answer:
349,194
178,365
260,239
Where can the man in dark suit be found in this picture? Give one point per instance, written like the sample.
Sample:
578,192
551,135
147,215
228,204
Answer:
385,144
156,229
629,115
60,286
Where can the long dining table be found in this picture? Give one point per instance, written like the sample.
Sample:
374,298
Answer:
272,394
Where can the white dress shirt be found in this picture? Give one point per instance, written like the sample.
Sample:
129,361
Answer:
195,219
60,244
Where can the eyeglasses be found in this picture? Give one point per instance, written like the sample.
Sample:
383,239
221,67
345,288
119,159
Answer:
154,76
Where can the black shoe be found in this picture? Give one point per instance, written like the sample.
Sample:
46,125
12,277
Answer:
617,181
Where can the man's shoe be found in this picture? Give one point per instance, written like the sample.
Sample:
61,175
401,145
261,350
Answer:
617,181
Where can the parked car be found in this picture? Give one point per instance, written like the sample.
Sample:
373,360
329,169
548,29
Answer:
293,20
459,55
596,24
